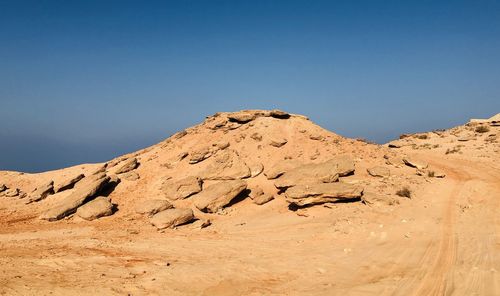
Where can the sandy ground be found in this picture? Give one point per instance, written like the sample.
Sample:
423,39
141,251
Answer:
443,241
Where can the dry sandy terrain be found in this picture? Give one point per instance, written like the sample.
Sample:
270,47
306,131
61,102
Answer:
443,240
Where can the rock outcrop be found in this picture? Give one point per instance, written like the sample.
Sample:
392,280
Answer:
421,165
277,141
182,188
127,166
226,165
302,195
216,196
256,169
89,187
41,192
152,206
379,171
199,155
326,172
172,218
99,207
68,183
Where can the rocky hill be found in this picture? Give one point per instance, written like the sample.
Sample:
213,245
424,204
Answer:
262,203
201,171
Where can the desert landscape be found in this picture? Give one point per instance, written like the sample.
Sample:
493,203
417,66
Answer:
262,202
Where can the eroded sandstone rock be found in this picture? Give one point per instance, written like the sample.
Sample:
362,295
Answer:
216,196
279,114
152,206
419,164
181,188
379,171
325,172
85,189
277,141
200,155
302,195
99,207
41,192
259,197
256,169
68,183
171,218
226,165
242,117
127,166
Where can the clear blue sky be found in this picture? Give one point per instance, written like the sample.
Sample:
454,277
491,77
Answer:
84,81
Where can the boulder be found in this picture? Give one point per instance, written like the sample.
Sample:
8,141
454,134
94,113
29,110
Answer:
200,155
325,172
96,208
172,218
263,199
277,141
280,168
41,192
279,114
379,171
226,165
85,189
3,187
216,196
345,165
259,197
68,183
256,169
127,166
393,160
421,165
152,206
242,116
302,195
181,188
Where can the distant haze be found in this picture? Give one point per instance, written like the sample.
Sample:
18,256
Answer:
85,81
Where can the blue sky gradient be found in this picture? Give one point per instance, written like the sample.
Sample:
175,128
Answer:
84,81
